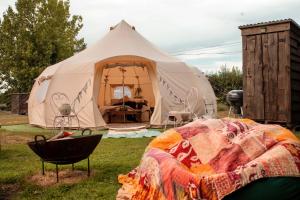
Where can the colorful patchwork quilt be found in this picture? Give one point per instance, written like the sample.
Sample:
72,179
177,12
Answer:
209,159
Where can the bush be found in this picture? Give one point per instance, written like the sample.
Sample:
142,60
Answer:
5,100
224,80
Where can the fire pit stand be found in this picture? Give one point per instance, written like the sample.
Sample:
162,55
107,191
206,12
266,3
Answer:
56,167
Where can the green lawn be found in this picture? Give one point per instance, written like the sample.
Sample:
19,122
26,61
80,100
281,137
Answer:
111,158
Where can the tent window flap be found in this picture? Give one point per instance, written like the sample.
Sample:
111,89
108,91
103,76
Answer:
42,91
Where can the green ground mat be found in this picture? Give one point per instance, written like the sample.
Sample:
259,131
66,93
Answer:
277,188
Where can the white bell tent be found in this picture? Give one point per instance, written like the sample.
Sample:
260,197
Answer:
122,63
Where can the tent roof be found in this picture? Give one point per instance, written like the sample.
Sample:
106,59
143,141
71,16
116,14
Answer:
121,40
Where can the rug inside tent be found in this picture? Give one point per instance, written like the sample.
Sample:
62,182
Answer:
211,159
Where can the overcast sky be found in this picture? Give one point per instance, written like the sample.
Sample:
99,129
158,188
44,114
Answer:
207,28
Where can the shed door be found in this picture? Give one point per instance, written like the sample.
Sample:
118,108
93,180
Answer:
266,64
275,78
253,82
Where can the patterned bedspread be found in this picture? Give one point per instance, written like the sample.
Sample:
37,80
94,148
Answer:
209,159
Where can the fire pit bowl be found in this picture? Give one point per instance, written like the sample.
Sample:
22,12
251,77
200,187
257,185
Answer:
65,150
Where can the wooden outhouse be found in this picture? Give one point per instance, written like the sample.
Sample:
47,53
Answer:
19,103
271,68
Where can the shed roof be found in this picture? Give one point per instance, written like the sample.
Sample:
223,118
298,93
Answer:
289,20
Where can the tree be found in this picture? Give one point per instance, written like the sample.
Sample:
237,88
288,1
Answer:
224,80
34,35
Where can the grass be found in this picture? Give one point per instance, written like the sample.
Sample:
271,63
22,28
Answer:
18,163
222,110
222,107
111,158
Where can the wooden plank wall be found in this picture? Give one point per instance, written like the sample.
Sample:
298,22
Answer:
253,69
284,84
266,63
276,84
295,73
270,60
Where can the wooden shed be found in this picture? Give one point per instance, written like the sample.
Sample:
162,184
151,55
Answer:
19,103
271,68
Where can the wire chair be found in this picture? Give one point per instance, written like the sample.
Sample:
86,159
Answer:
178,118
63,116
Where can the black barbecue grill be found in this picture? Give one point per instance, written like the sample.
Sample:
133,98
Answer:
235,100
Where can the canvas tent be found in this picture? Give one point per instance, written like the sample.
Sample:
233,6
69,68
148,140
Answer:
87,78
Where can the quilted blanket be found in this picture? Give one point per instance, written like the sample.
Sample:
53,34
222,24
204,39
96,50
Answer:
209,159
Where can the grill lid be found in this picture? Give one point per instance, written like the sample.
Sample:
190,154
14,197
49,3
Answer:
235,98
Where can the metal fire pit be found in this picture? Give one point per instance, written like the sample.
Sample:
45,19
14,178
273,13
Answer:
65,151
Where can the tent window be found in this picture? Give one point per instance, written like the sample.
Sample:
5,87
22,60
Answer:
42,91
118,92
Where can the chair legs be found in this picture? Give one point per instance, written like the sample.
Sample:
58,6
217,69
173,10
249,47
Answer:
173,120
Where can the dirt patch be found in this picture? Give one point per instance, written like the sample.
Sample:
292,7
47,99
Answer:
7,190
14,139
65,177
6,118
222,114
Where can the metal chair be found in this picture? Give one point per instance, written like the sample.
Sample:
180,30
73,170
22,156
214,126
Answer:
177,118
185,116
62,117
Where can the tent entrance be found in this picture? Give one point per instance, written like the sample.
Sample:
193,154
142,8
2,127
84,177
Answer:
126,93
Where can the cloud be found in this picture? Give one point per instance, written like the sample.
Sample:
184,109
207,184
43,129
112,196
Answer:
180,25
4,5
208,65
